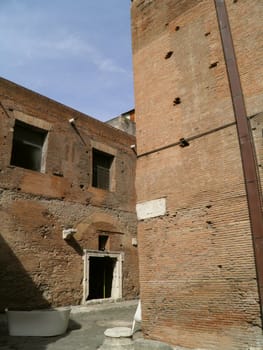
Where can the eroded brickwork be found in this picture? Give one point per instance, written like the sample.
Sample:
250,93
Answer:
197,269
38,267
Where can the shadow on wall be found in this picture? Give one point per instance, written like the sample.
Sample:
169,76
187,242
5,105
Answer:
17,289
18,292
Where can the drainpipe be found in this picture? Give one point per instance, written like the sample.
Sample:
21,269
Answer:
247,150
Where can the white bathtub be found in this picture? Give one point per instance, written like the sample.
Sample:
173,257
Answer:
40,323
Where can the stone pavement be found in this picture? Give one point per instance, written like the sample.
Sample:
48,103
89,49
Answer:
86,328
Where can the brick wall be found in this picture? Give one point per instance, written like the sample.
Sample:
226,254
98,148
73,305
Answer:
197,269
38,267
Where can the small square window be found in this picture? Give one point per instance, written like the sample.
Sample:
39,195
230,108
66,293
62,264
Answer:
102,163
103,242
28,143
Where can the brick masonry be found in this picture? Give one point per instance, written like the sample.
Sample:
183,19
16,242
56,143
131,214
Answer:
38,267
197,269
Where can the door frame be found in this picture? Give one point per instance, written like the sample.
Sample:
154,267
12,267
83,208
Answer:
116,292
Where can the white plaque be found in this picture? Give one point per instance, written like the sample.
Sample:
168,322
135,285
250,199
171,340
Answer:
151,209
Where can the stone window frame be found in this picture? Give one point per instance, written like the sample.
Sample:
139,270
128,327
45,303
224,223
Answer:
37,123
101,147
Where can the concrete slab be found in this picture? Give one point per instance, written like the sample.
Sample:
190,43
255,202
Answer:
146,344
118,332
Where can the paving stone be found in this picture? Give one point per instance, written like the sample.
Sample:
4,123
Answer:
146,344
117,338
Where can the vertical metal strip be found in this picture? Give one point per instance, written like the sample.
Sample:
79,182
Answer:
248,157
84,277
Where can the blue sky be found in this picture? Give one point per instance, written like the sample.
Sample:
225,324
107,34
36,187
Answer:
77,52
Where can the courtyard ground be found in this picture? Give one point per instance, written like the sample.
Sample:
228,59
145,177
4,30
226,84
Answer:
86,328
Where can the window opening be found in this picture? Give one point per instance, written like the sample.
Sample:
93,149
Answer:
103,242
102,163
27,149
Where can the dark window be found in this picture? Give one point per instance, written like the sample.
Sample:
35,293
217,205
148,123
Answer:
27,147
102,163
103,242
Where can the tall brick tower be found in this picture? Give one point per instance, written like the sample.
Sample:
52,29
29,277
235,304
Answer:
198,73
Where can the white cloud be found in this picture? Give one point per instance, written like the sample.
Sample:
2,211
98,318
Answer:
55,46
32,46
109,66
32,33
